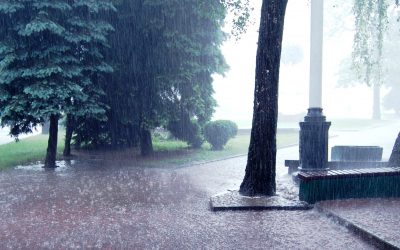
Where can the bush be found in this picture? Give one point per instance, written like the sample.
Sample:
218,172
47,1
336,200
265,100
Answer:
187,130
218,133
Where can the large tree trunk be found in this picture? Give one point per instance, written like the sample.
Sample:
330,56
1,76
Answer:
261,163
146,144
394,160
376,113
69,127
51,155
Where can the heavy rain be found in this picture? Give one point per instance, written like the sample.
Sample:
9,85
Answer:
221,124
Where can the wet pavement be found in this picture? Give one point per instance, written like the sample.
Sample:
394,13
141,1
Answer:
112,204
92,204
378,217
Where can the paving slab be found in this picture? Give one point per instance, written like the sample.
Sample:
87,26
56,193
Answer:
233,200
108,205
376,219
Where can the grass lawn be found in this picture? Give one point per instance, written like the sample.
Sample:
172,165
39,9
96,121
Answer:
168,152
236,146
27,150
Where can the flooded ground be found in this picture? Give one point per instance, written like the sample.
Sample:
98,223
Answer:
94,204
106,202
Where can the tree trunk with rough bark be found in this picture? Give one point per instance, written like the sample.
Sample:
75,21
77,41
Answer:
261,163
69,127
51,154
394,160
146,144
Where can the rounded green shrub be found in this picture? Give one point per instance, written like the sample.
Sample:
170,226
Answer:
218,133
188,130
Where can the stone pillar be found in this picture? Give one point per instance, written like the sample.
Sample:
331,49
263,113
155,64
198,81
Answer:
314,131
314,135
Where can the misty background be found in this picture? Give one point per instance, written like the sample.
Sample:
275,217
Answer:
341,98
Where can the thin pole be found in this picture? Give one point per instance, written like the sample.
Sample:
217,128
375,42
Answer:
316,43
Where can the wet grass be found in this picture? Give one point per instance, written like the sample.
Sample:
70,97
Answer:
168,152
236,146
27,150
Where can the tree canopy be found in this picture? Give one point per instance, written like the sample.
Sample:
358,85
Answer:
58,60
165,53
51,61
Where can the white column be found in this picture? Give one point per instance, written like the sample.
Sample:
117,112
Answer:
316,41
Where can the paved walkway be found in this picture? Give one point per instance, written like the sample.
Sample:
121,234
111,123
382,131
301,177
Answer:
110,204
97,205
377,217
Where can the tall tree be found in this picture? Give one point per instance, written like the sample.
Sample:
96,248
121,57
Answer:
51,62
261,163
165,53
386,49
392,59
371,24
394,160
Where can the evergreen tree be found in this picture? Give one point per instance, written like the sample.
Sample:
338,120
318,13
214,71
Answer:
165,53
51,63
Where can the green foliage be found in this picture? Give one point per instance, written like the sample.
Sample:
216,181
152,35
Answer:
187,130
367,64
51,60
231,126
165,53
26,151
371,23
241,10
391,57
90,134
218,133
175,152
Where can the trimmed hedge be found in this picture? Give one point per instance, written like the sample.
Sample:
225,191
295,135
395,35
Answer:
218,133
